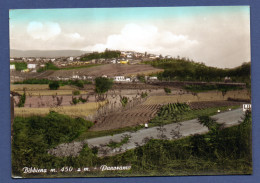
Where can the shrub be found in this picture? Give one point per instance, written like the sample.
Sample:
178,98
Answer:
124,101
141,78
76,92
22,100
83,100
103,85
167,90
54,85
78,83
144,94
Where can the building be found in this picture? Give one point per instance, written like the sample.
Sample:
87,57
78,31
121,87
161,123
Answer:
124,62
12,67
70,58
121,79
75,77
153,78
31,66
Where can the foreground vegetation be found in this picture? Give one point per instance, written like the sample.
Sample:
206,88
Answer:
221,151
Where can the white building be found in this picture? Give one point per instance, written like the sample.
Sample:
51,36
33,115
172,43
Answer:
121,79
75,77
153,78
12,67
31,66
71,58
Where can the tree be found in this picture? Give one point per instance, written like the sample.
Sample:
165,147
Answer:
102,86
54,85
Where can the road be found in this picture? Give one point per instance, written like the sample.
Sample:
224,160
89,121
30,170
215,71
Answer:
140,137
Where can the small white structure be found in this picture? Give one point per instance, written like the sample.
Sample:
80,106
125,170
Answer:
153,78
12,67
129,56
119,78
104,76
31,66
53,59
146,125
70,58
122,79
127,79
168,56
247,107
11,59
75,77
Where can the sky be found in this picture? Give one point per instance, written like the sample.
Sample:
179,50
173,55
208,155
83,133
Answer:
218,36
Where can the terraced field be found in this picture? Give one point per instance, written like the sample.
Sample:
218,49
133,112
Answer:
139,115
206,104
205,96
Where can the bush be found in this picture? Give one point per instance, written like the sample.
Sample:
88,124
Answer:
124,101
48,66
144,94
33,136
54,85
22,100
103,85
76,92
141,78
167,90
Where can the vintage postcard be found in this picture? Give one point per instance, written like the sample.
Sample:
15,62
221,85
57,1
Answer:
119,92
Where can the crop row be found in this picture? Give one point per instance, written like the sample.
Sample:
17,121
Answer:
173,108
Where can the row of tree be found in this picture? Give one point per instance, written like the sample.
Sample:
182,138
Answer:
107,54
181,69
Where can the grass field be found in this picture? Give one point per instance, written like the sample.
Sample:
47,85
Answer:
207,96
80,110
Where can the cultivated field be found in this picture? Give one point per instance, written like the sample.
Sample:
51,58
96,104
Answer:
109,69
138,115
42,90
80,110
205,96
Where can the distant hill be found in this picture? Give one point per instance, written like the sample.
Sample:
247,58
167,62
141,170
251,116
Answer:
45,53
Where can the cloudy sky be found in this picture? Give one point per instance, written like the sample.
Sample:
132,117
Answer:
217,36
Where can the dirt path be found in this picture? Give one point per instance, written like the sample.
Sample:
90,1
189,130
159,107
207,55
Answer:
140,137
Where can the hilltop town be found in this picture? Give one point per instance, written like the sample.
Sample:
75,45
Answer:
30,66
